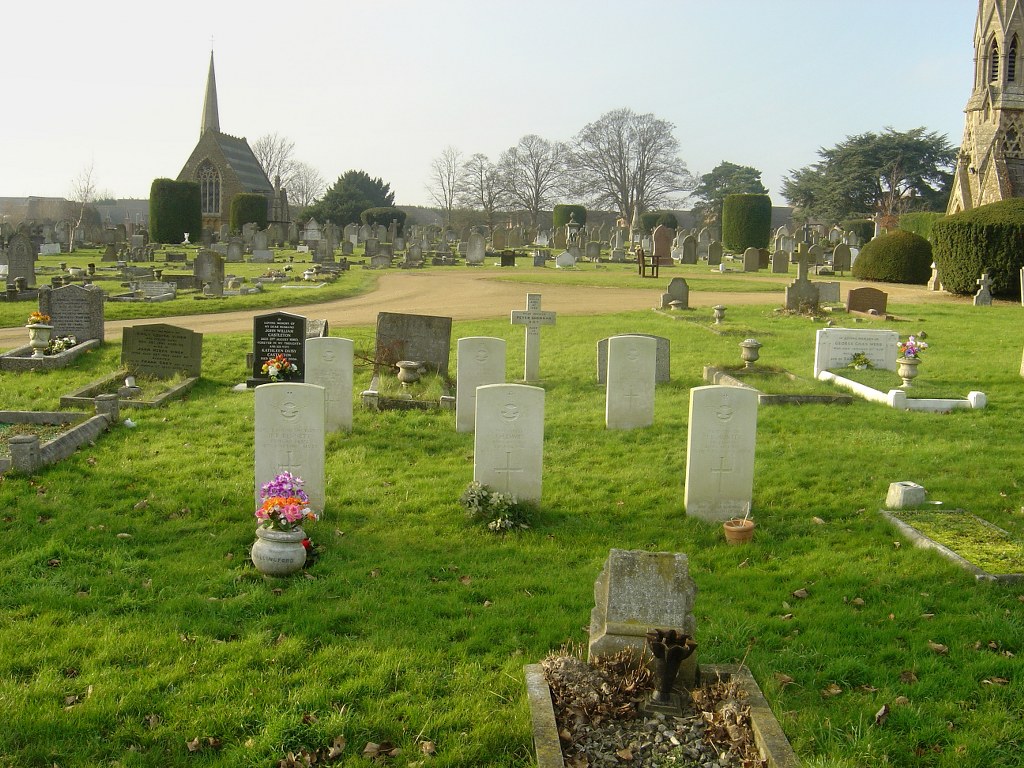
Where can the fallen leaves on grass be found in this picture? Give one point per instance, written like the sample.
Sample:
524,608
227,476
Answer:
830,690
783,679
380,752
200,744
882,715
907,676
938,648
995,681
801,593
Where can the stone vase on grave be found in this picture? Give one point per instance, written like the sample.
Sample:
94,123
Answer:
278,553
39,338
907,369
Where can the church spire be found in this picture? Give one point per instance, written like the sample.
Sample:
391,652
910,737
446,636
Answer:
211,117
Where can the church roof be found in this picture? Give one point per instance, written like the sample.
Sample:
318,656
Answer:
243,162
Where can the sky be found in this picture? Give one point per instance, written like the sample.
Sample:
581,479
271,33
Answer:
385,86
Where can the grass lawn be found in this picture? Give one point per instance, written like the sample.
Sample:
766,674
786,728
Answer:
133,627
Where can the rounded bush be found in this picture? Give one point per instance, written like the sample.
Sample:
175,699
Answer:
895,257
746,222
990,239
920,222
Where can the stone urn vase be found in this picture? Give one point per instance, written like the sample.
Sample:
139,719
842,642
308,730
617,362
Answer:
278,553
907,369
409,371
739,530
39,337
749,352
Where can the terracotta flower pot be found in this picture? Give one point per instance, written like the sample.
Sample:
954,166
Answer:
738,530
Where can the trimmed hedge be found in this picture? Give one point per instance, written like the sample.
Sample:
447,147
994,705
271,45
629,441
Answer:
895,257
985,239
920,222
863,228
746,221
375,216
560,215
174,209
652,219
248,207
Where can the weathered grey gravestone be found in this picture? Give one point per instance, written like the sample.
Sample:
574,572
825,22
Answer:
278,333
162,350
638,591
629,395
480,361
509,440
720,452
678,291
983,298
751,260
21,259
426,339
290,437
74,310
662,362
476,249
868,300
329,365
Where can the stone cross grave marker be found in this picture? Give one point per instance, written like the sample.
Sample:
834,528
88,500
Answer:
162,350
983,298
533,318
509,440
74,310
480,362
629,394
329,365
290,437
835,347
277,333
638,591
720,452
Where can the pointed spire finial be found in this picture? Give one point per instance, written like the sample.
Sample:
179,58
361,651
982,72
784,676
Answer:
211,116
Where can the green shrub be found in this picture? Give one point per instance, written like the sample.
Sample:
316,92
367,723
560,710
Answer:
652,219
863,228
174,209
248,208
746,221
895,257
920,222
561,214
985,239
375,216
668,219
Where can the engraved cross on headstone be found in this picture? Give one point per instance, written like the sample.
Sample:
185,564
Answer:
290,466
533,318
508,469
721,470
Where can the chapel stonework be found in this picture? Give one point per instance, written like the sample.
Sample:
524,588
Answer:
225,166
990,166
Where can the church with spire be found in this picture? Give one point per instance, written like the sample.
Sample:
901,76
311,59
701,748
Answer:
990,166
224,166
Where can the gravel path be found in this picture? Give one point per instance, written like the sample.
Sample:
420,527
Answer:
472,295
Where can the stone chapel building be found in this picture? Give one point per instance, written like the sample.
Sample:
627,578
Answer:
990,166
224,166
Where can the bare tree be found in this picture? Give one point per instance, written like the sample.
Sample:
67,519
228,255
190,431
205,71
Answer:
306,185
481,187
274,154
445,177
627,161
533,173
83,192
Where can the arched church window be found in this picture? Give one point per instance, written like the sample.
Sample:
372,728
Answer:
993,62
209,187
1011,61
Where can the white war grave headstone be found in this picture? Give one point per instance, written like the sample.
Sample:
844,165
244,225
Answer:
533,318
480,361
329,365
720,452
638,591
509,440
629,394
290,423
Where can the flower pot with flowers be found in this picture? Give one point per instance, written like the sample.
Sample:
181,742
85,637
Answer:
280,547
279,367
39,330
910,357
